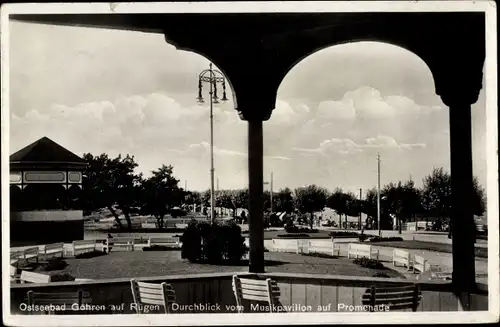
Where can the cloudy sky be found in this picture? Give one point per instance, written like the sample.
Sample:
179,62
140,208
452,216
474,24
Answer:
128,92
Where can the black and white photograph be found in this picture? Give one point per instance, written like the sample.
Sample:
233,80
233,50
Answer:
215,163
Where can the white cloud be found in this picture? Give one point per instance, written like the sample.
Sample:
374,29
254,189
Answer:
367,102
348,146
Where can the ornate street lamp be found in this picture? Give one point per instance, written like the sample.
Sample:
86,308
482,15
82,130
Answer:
212,77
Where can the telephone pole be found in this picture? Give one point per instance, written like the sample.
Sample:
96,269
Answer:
360,199
271,193
378,195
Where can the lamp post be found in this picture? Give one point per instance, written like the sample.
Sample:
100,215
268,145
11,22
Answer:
212,77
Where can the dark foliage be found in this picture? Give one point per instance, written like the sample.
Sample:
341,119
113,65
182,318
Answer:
293,235
368,263
320,255
296,229
381,274
54,264
362,237
344,234
213,243
64,277
386,239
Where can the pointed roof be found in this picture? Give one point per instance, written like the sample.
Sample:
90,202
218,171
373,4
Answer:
45,151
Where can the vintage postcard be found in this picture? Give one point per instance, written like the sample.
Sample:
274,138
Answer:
218,163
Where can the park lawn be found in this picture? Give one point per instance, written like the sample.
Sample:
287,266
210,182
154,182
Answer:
164,263
429,246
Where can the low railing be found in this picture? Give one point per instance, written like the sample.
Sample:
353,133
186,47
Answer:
212,293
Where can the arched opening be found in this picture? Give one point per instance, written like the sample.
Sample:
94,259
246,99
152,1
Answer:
340,107
45,197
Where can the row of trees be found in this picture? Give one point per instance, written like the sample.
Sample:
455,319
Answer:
113,182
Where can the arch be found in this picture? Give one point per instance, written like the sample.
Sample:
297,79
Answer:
74,195
421,56
208,57
45,197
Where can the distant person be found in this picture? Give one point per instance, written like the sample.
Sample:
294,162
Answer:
110,243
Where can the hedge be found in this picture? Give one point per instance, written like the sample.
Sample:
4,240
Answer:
92,254
385,239
293,235
296,229
54,264
213,243
343,234
368,263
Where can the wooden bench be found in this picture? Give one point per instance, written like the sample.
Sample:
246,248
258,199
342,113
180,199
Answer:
286,245
168,241
246,288
14,257
170,224
84,246
401,257
52,250
149,293
14,276
30,253
126,243
420,264
33,277
323,246
396,297
362,250
68,299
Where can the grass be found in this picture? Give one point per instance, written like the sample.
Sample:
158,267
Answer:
429,246
161,263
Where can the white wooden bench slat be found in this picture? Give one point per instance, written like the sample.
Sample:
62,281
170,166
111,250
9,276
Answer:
242,292
164,241
420,264
165,298
33,277
401,257
84,246
120,242
362,250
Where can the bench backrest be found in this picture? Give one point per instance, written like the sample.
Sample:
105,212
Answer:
419,263
14,276
33,277
164,240
31,251
397,297
84,243
321,243
254,289
149,293
360,248
401,256
54,246
121,240
64,298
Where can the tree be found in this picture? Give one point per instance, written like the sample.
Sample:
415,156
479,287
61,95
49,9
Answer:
335,201
310,199
436,196
161,193
110,182
284,200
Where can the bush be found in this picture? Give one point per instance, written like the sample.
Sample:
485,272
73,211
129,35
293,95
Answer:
386,239
292,235
368,263
344,234
92,254
320,255
362,237
65,277
213,243
381,274
294,229
54,264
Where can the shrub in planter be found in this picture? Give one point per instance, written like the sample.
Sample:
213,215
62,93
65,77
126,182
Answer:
368,263
213,243
381,274
65,277
386,239
295,229
362,237
92,254
54,264
293,235
344,234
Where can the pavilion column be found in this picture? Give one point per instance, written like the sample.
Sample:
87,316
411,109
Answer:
255,201
462,217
